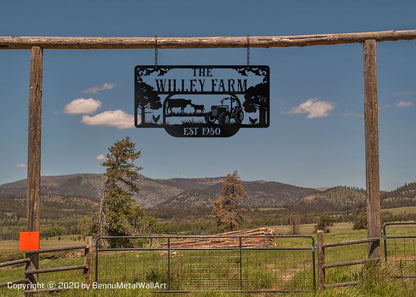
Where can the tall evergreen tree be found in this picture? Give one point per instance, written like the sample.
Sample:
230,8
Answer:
119,214
227,209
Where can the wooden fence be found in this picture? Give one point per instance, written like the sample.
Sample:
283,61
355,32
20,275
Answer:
31,271
321,259
11,263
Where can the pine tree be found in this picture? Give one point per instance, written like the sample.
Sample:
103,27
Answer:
227,209
119,214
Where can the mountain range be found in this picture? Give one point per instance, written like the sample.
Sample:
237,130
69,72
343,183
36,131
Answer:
188,193
182,193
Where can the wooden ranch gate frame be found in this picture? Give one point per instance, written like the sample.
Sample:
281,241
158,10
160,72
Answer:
368,39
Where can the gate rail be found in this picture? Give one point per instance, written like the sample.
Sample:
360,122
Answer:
200,265
403,254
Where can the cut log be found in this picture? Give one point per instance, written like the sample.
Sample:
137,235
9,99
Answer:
228,239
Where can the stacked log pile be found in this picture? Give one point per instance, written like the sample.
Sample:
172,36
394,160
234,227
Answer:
228,239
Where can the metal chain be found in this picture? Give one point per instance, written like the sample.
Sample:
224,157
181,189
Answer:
156,53
248,50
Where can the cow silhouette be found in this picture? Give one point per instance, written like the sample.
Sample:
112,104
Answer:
177,103
198,107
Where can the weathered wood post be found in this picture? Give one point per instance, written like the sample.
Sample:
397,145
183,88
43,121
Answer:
87,279
371,147
34,140
321,259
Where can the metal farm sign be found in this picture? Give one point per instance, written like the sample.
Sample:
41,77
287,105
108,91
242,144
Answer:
202,101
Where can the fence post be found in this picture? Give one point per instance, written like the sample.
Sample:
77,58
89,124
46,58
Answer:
371,147
88,261
32,278
321,259
34,155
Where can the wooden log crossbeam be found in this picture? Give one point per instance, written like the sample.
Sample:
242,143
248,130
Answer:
48,42
45,290
55,269
349,263
20,281
75,247
358,241
337,285
14,262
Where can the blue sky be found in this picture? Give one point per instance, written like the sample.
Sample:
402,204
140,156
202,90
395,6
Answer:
316,133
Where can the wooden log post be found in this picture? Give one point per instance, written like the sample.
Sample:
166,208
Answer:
88,261
321,259
34,145
371,147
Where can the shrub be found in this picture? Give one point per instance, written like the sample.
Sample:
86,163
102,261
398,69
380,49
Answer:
54,231
360,222
324,222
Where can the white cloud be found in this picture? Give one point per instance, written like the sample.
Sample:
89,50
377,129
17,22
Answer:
100,157
93,90
404,93
115,118
384,106
405,104
20,165
82,106
314,108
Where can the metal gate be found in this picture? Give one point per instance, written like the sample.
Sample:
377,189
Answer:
181,264
400,247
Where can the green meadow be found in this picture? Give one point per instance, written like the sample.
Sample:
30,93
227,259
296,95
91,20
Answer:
216,270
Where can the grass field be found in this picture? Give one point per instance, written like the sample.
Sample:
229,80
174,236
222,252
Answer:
262,269
401,210
9,249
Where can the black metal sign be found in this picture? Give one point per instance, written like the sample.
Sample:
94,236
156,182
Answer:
202,101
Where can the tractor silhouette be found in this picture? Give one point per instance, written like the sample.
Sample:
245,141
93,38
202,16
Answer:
230,108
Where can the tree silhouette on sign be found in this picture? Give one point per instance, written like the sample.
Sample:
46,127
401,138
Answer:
147,98
256,98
